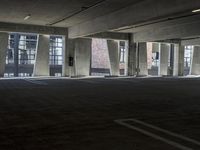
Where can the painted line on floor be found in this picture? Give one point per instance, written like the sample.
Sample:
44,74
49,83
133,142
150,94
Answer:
155,136
88,81
165,131
35,82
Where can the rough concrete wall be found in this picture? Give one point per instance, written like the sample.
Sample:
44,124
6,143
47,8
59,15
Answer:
195,67
113,49
164,56
41,67
82,56
143,70
3,50
100,56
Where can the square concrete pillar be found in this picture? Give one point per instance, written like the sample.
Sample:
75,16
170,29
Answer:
132,57
41,66
164,58
179,51
142,59
83,49
195,66
3,52
79,51
126,58
68,52
113,50
149,55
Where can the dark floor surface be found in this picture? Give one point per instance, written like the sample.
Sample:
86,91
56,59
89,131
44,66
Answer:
79,114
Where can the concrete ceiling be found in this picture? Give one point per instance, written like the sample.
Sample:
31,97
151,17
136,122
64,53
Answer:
57,13
147,19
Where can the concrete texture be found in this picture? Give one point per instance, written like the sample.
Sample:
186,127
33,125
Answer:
68,51
38,29
149,55
126,63
3,52
83,49
110,36
41,66
132,57
79,114
156,47
164,59
133,15
195,66
70,12
161,20
113,50
80,51
189,42
178,69
143,70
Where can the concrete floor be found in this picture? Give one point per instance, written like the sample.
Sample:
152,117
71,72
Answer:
68,114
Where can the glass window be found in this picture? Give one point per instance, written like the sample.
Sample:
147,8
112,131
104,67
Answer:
27,49
188,56
122,52
56,46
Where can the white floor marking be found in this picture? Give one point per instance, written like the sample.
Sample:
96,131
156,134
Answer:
170,142
165,131
88,81
36,82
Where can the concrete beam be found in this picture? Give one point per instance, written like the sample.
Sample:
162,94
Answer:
194,42
187,30
111,36
143,11
165,22
11,27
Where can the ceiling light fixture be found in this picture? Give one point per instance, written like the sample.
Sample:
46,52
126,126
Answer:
196,10
27,17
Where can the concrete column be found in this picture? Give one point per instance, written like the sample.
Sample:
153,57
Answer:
195,66
3,52
149,55
79,50
126,58
142,56
164,58
171,59
16,54
83,49
41,67
68,51
132,57
178,69
113,50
